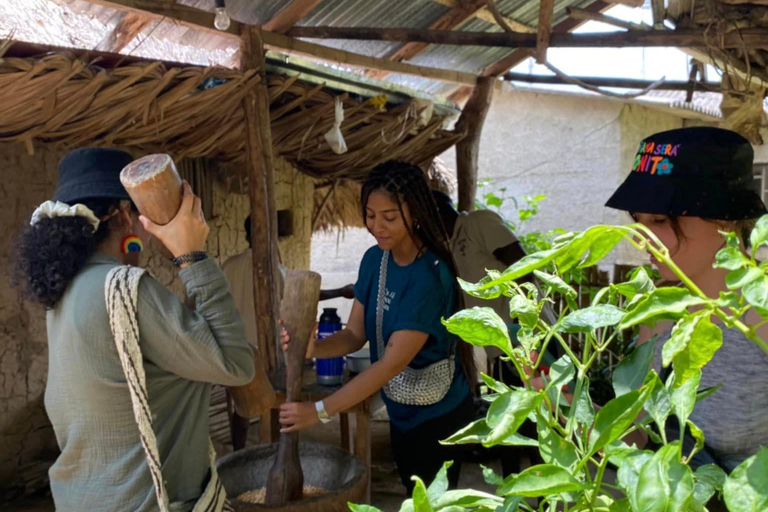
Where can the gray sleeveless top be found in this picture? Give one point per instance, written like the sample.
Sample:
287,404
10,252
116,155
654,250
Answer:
735,418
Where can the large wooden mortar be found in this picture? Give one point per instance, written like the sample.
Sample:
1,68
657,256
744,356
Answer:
340,473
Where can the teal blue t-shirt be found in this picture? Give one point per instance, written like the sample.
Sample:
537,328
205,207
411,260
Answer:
418,296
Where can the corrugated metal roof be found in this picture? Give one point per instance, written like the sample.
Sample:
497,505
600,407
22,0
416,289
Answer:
387,14
177,42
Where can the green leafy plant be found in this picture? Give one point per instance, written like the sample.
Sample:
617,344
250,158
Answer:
578,441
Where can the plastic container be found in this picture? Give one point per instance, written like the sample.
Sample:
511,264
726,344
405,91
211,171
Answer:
358,361
330,372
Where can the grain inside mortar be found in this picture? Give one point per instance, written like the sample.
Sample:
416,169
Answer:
258,496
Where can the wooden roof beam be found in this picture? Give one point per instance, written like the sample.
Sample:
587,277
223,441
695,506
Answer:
203,21
587,15
486,15
516,57
651,38
450,20
289,15
129,26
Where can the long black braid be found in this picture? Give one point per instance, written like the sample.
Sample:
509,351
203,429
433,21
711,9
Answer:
406,183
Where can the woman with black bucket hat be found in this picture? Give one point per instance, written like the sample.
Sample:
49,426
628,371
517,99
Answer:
687,185
130,366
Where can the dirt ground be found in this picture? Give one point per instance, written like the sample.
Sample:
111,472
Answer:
387,494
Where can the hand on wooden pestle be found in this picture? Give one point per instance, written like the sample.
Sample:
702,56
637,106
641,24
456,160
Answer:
188,230
295,416
285,338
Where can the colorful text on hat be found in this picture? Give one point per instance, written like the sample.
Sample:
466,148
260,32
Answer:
653,157
131,244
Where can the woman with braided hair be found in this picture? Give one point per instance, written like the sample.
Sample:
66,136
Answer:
406,284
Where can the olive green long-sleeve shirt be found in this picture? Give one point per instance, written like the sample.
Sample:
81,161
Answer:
102,465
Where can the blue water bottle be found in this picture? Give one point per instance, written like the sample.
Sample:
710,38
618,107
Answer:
329,371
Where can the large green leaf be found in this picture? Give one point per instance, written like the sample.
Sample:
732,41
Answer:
731,258
518,440
602,246
684,397
477,432
511,503
526,265
662,304
706,339
680,337
541,480
697,435
474,433
746,490
420,497
556,284
561,373
659,402
628,474
588,247
584,411
759,235
640,283
466,499
708,480
555,449
705,393
665,484
508,412
494,384
630,373
491,477
362,508
481,327
440,484
591,318
613,420
479,289
742,277
756,292
524,309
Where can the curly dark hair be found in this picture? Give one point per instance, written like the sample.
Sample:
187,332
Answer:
51,253
407,184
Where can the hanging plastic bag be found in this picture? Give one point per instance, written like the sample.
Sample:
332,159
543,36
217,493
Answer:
425,108
333,137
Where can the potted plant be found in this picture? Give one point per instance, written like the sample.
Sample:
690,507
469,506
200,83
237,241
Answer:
578,442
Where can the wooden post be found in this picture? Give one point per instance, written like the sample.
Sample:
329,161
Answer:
468,149
258,142
546,11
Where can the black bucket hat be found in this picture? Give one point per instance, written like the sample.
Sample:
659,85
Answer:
90,173
692,172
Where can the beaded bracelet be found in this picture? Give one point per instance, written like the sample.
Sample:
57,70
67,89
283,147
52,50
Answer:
190,257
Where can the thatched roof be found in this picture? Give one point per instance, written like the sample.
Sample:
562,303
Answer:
197,112
337,203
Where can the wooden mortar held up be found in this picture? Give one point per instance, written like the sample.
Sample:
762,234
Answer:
154,186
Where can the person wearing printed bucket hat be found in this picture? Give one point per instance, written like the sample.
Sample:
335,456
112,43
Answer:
687,186
79,242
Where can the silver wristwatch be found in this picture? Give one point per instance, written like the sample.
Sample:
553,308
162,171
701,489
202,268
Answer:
322,414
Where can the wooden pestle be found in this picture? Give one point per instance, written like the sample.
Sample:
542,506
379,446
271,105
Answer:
154,186
298,310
